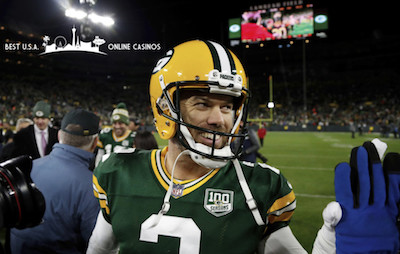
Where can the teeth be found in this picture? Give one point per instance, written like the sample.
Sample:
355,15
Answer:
210,136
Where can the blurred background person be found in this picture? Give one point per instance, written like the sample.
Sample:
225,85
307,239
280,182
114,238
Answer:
65,181
134,125
119,136
6,151
36,140
261,132
145,140
22,123
6,134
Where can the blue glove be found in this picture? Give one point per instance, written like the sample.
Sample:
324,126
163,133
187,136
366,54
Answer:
369,205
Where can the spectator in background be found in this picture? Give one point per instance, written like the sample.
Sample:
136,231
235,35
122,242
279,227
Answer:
22,123
7,133
36,140
65,180
251,145
134,125
145,140
6,151
119,137
261,132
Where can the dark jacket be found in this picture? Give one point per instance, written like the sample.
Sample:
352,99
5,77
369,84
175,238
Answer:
25,142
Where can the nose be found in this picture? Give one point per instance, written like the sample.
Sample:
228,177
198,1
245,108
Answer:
216,117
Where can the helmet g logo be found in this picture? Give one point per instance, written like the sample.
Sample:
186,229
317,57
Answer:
163,61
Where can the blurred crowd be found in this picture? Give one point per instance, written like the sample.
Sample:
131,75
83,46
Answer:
327,106
18,96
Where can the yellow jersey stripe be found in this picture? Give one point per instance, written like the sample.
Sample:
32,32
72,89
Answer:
155,169
119,139
283,217
282,203
100,193
158,164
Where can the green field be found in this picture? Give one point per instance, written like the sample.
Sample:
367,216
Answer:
307,160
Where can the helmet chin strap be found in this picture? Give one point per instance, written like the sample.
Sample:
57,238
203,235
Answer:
202,160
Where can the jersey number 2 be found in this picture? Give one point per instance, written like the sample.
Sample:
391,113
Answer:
183,228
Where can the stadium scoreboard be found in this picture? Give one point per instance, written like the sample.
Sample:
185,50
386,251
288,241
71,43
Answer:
278,21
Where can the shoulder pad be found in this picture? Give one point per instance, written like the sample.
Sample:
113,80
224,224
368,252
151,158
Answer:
249,164
125,150
263,165
105,157
106,130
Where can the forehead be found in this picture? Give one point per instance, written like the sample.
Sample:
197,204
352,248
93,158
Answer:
118,122
40,118
191,94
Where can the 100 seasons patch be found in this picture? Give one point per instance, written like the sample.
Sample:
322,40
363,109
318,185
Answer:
218,202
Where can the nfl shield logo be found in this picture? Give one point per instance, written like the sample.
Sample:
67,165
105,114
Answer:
218,202
177,190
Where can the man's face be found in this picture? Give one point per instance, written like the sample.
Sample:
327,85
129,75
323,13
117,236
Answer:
132,126
119,128
41,123
209,111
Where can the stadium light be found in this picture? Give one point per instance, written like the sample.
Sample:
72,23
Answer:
95,18
106,21
76,14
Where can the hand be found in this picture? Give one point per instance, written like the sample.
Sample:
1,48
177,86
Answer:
369,207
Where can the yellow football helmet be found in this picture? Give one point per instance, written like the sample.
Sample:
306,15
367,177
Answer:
204,65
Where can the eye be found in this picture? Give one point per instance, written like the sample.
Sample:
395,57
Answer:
227,108
201,105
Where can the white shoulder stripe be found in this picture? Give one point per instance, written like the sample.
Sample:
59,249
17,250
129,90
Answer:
263,165
287,208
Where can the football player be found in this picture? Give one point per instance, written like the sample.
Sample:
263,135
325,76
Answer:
193,196
117,137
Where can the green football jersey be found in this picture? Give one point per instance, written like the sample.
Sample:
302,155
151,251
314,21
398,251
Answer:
111,143
206,215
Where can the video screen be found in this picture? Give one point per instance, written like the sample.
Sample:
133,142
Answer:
277,23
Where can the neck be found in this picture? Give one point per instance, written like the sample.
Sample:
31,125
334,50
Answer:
186,168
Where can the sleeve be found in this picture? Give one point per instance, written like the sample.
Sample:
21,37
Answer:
281,241
88,210
101,195
100,141
102,240
99,155
325,242
281,210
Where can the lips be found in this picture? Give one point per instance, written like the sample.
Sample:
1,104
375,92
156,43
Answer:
210,135
207,139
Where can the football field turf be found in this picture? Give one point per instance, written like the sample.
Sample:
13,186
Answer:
307,160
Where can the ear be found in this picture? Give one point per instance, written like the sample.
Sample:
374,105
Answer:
94,144
59,136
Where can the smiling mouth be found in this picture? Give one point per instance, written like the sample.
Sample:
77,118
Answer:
207,139
210,136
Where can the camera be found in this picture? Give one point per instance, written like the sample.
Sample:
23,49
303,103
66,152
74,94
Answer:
22,205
